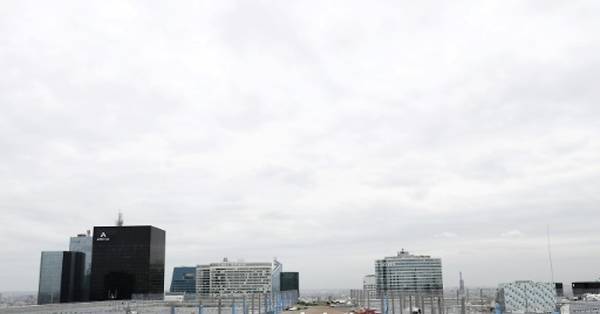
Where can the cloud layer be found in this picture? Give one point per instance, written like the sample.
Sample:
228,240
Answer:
327,134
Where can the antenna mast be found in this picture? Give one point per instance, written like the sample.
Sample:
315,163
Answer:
550,253
119,221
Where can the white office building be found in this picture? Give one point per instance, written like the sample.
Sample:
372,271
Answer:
527,297
370,285
234,278
409,274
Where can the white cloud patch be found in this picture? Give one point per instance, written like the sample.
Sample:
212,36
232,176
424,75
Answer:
512,234
447,235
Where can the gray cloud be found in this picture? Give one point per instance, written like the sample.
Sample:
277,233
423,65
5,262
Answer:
308,131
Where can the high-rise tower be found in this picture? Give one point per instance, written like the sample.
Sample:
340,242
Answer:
127,261
83,243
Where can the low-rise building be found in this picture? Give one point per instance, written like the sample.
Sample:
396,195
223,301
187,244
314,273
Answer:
527,296
289,281
233,278
183,280
582,287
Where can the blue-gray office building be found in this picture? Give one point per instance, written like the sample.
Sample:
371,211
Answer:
184,280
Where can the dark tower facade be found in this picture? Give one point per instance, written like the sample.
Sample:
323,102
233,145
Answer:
289,281
127,261
184,280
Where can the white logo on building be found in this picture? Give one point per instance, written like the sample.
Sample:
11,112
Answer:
103,237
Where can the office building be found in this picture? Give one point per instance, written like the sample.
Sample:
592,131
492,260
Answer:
127,261
183,280
527,297
83,243
409,274
61,275
582,287
233,278
289,281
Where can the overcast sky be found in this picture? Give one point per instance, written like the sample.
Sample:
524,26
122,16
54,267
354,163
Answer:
324,133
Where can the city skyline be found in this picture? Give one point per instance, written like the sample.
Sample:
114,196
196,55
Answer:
327,135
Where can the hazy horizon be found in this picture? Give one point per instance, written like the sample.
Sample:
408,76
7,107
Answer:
326,134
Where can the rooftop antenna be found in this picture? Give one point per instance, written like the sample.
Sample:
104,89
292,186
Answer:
461,284
550,253
119,221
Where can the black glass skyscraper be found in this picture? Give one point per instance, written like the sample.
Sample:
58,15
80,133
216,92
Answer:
61,276
126,261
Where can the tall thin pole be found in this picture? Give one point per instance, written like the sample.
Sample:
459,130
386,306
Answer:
401,303
393,304
259,304
550,253
244,308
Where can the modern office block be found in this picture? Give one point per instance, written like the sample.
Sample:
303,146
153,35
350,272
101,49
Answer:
83,243
527,297
582,287
289,281
127,261
231,278
61,275
409,274
184,280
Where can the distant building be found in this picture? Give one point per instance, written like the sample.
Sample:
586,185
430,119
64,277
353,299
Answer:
127,261
232,278
409,274
289,281
370,285
581,307
61,275
558,286
527,297
461,285
183,280
83,243
582,287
